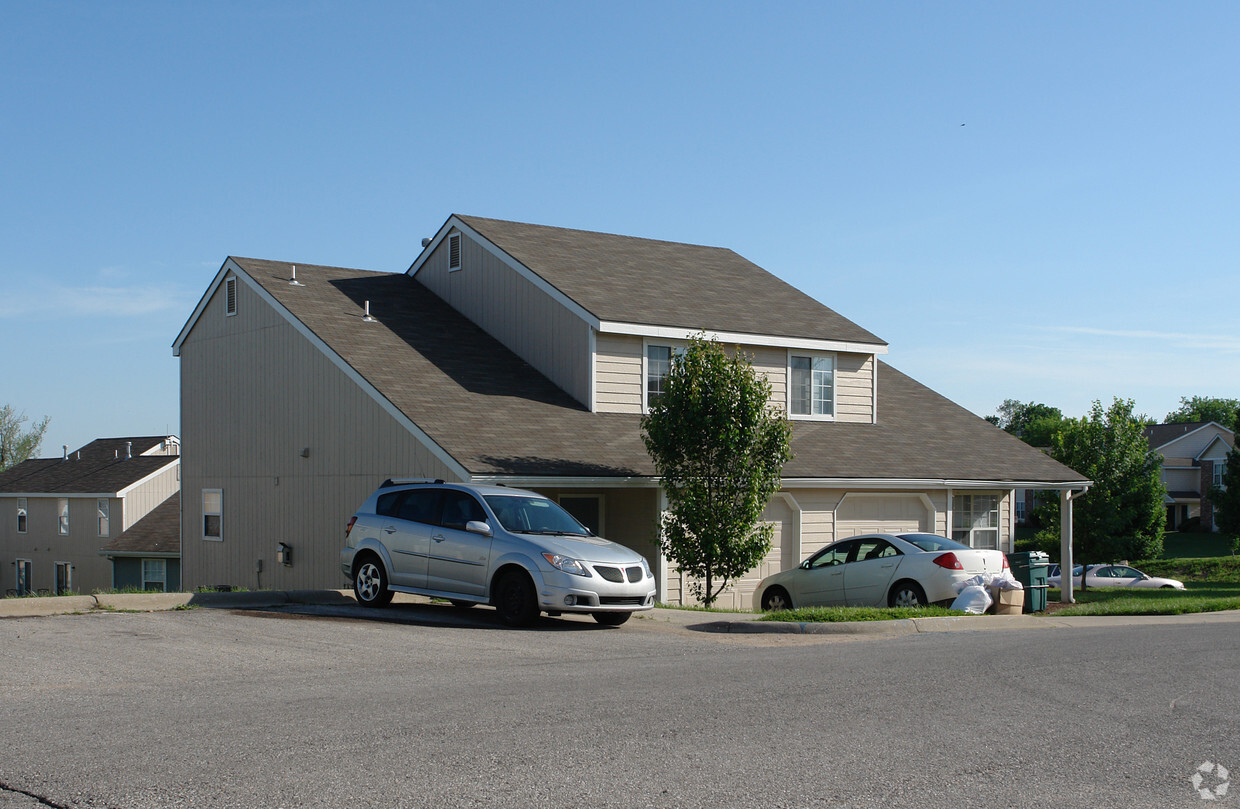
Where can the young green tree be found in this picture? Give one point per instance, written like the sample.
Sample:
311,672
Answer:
18,444
1122,516
1205,408
719,448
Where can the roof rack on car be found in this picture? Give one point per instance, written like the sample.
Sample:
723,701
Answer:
403,481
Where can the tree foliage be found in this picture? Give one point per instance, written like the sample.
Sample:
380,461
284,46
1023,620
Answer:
1205,408
1226,498
18,444
1032,422
1122,516
719,448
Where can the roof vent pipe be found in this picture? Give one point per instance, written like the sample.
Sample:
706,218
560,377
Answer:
366,316
66,446
426,242
293,282
128,450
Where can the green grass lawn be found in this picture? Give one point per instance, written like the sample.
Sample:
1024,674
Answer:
1199,597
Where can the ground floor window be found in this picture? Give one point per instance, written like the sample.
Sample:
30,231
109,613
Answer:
155,575
64,578
975,520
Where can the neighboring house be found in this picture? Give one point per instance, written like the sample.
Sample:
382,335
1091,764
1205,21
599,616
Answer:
57,513
525,355
1194,455
147,555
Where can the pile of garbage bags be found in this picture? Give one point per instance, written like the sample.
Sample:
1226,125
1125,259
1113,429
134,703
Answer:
974,592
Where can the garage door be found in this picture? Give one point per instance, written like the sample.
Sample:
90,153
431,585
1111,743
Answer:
881,514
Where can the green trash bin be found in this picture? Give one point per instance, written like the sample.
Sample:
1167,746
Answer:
1029,568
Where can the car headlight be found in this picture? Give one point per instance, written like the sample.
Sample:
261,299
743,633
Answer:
567,564
646,567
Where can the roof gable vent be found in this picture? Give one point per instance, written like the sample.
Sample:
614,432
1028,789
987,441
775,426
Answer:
454,251
230,292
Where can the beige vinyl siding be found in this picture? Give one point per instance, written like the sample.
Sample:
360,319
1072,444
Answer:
254,394
773,364
1182,480
142,499
618,373
532,324
1191,445
854,388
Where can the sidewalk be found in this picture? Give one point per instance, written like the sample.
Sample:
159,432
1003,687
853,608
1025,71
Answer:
696,620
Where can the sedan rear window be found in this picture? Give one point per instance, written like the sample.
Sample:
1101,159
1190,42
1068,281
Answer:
930,542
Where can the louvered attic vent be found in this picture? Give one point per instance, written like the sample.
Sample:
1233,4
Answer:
454,251
230,289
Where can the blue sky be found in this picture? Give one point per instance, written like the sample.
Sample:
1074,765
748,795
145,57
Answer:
1035,201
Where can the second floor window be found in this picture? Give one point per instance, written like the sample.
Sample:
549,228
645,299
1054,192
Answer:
1219,466
62,511
21,515
212,513
811,386
658,366
102,507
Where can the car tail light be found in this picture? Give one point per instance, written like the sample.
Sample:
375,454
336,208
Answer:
349,527
949,561
1006,566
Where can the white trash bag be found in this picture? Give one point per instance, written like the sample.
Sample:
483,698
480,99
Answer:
973,598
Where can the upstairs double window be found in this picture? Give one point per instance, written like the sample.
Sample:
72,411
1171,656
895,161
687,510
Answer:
811,386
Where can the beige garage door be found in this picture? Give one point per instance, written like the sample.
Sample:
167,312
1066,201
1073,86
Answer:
881,514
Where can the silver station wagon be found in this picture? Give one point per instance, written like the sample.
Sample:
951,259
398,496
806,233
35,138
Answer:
470,544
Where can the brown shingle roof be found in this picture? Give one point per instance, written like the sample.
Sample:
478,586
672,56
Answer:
101,467
646,281
496,415
159,532
1162,434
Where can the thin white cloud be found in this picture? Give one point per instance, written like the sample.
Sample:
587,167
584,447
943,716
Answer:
1220,342
93,301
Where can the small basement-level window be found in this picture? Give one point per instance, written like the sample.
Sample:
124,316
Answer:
155,575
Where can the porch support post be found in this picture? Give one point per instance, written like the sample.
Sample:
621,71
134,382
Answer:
1065,547
660,572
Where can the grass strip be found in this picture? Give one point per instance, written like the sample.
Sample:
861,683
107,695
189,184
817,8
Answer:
1199,597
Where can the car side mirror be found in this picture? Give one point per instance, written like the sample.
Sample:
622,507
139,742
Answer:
478,527
805,565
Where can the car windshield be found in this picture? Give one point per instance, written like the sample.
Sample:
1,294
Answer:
930,542
533,515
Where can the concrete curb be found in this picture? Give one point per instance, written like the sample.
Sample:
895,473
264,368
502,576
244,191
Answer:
158,602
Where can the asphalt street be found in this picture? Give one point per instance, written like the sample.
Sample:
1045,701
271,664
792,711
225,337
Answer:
435,707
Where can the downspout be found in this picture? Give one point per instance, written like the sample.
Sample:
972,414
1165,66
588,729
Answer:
1066,496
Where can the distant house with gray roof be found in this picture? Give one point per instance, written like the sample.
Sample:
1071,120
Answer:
1193,457
58,514
525,355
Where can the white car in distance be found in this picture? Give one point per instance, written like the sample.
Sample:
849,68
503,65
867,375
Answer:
878,570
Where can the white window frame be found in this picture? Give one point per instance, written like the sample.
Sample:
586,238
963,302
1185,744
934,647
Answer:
835,387
163,575
17,577
677,349
68,578
1216,473
454,243
23,515
219,493
103,520
230,296
62,516
973,529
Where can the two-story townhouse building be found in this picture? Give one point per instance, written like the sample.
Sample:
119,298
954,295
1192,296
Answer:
57,514
1193,457
525,355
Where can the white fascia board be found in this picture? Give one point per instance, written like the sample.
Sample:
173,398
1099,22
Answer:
349,371
140,554
567,481
739,338
161,470
520,269
930,483
202,304
51,495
